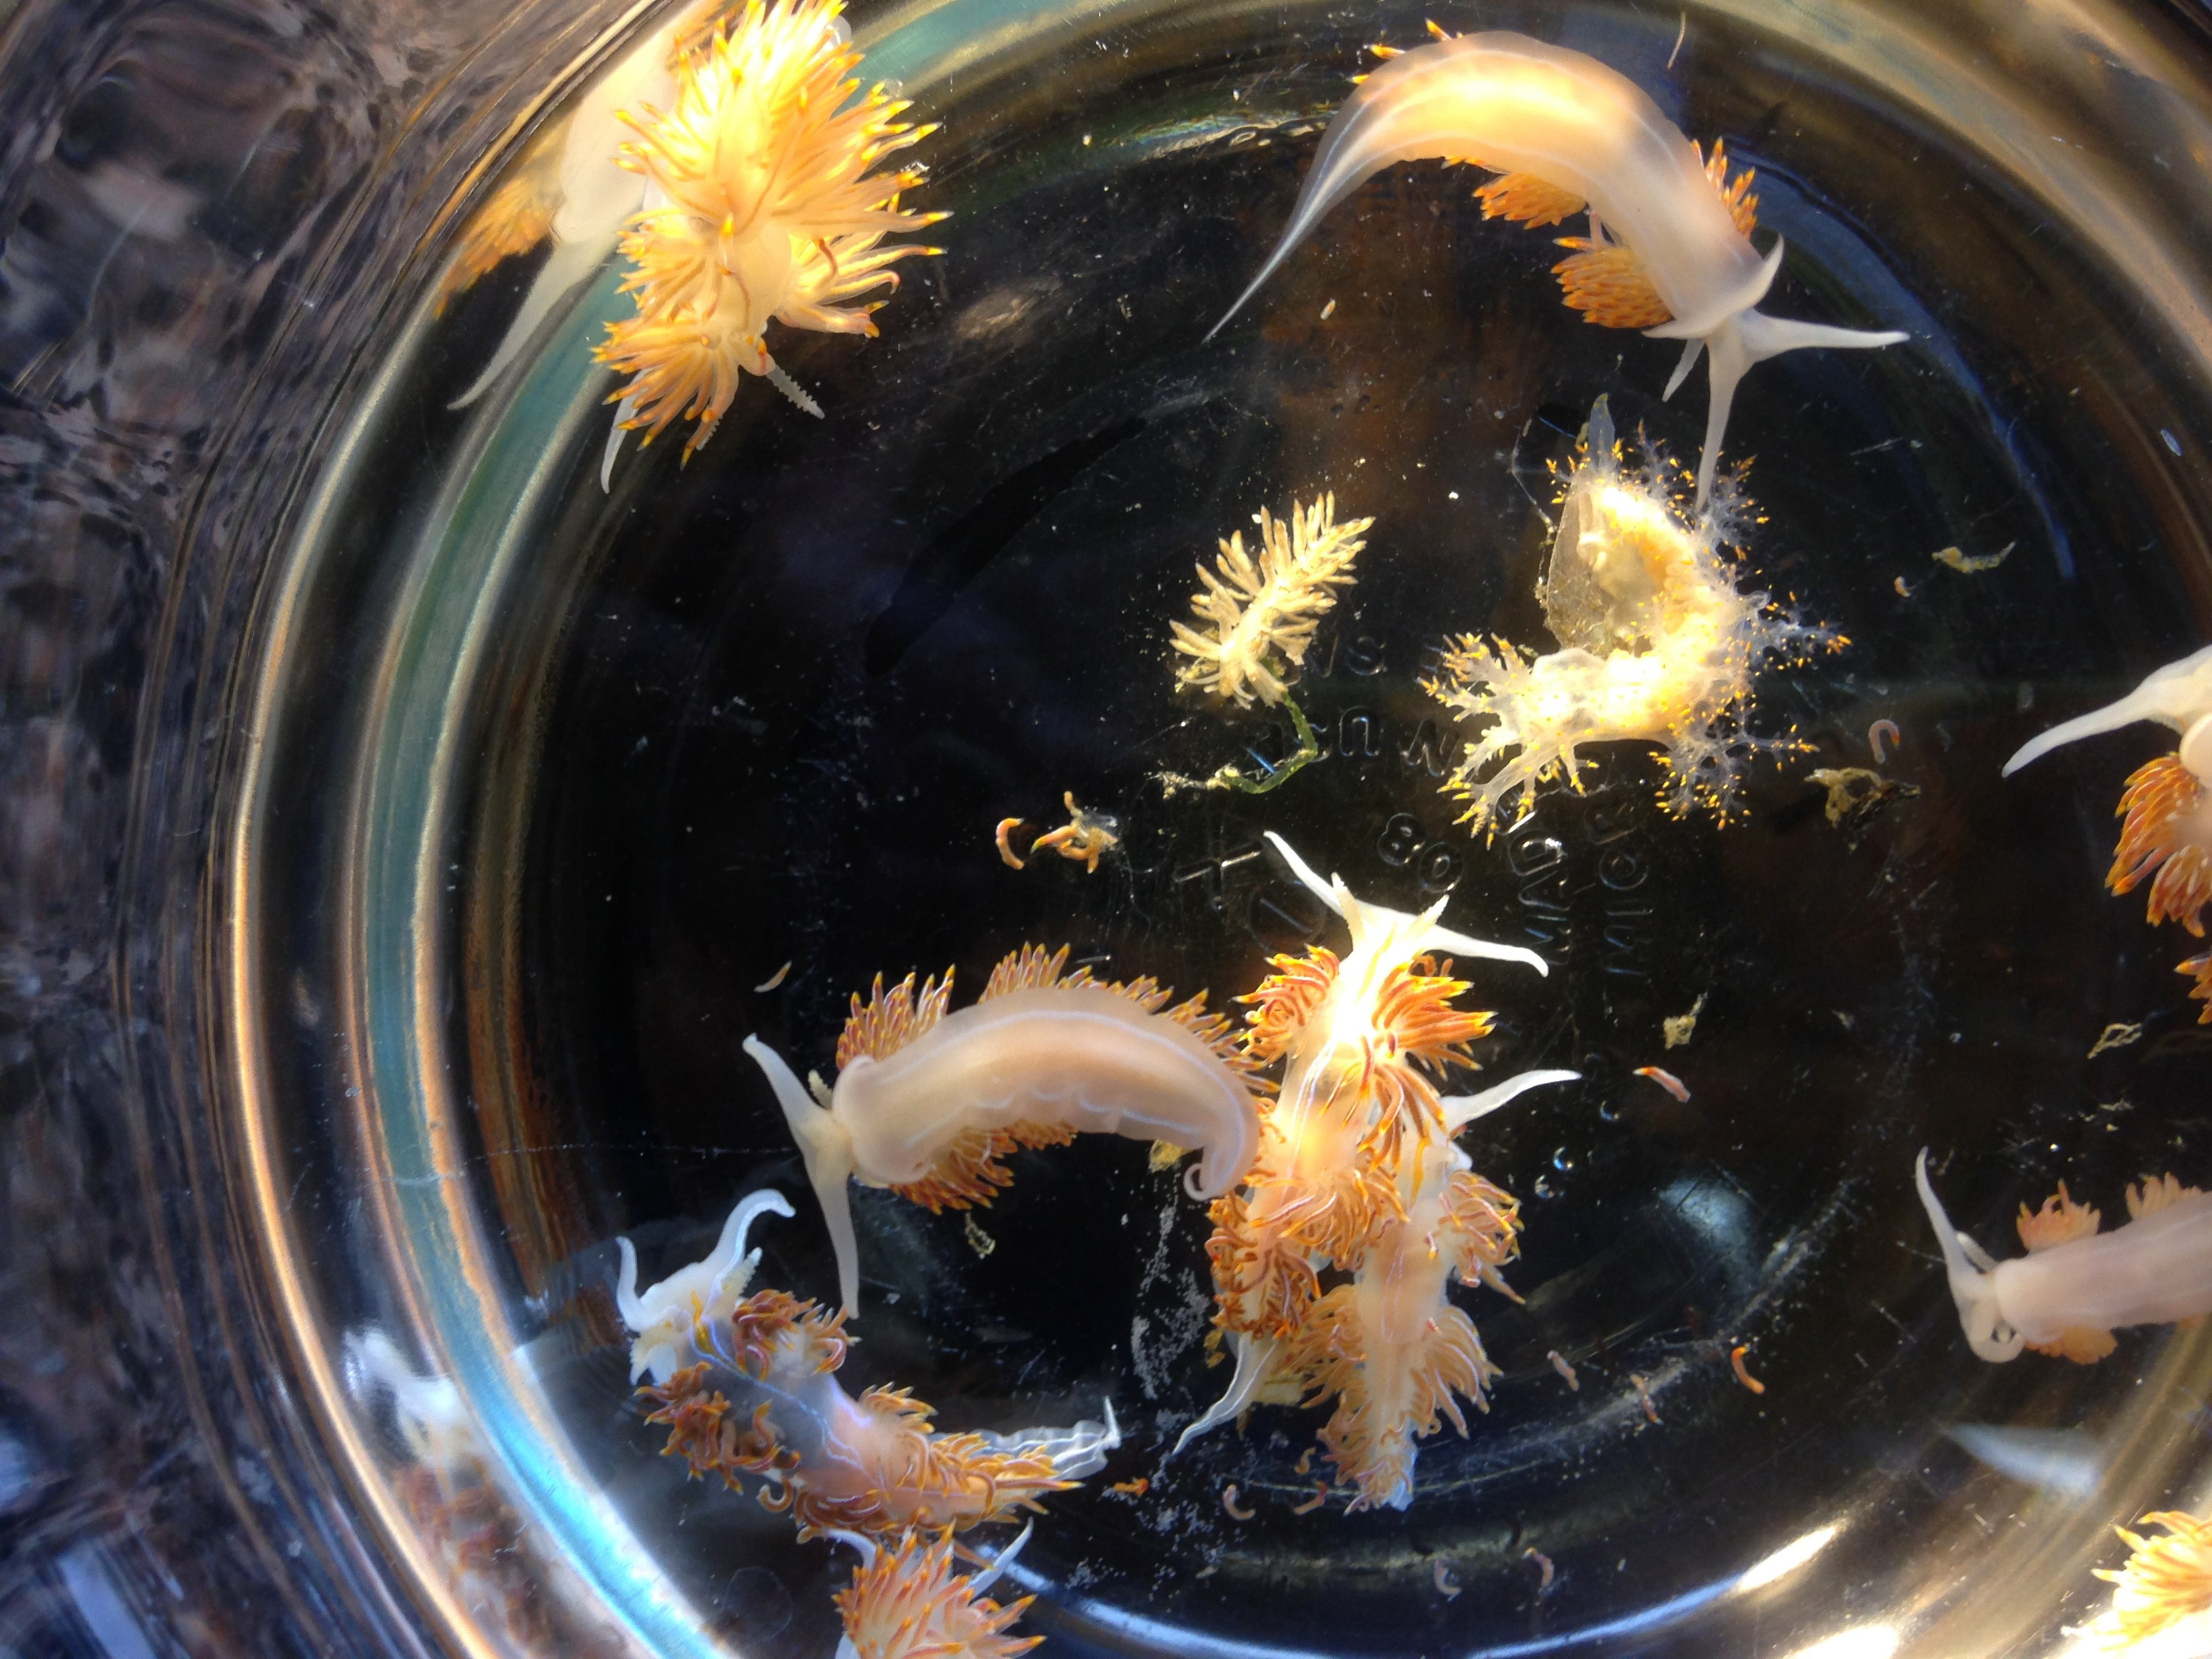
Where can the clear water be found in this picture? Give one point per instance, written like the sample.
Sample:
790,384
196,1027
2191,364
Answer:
549,780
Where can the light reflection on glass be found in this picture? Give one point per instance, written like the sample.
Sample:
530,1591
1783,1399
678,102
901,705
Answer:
1787,1559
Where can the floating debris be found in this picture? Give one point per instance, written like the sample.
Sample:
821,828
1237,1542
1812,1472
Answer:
978,1240
1328,311
1643,1387
1085,839
1680,1028
1967,564
1667,1080
2116,1036
1447,1586
1136,1488
1856,797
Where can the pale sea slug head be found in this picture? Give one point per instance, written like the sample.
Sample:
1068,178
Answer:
662,1319
2178,695
1368,922
827,1145
1974,1282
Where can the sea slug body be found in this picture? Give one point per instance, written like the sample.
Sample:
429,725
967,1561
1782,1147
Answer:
1358,1172
2077,1286
1261,614
1658,644
926,1102
760,1397
905,1602
2165,1580
663,1319
1668,250
572,186
767,211
2167,803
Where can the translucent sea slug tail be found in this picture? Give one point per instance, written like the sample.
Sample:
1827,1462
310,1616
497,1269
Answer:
829,1153
1352,152
1255,1359
1075,1452
567,266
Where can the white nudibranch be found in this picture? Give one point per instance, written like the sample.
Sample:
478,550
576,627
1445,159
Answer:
663,1319
1668,249
926,1102
2156,1269
2167,803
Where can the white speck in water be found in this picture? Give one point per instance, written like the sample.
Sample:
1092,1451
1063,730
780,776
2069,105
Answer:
1455,494
2171,442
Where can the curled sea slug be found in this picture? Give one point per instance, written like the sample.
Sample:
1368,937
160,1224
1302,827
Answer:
1669,245
1658,644
2167,803
767,211
905,1603
926,1102
1358,1172
2077,1286
761,1399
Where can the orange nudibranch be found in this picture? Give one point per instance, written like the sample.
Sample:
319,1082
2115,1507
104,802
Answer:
759,1396
1669,249
927,1101
769,211
905,1603
1356,1171
2167,803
